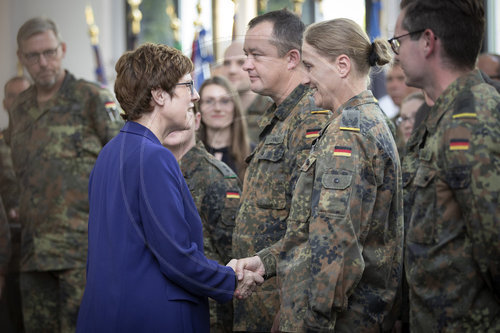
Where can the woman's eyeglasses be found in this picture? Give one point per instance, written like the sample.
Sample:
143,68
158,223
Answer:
189,84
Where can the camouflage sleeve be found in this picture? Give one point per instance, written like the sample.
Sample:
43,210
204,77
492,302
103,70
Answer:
472,171
221,204
105,115
8,185
5,248
299,145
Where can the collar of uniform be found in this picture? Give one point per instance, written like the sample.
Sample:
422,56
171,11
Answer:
66,89
284,109
191,155
447,98
364,97
138,129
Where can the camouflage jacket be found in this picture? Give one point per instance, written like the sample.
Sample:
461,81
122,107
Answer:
5,247
259,105
451,176
287,134
342,255
215,189
54,148
8,185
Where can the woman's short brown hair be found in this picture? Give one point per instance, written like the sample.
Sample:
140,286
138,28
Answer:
150,66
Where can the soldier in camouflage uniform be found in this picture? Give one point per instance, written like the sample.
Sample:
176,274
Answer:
288,129
341,258
215,189
57,128
4,250
12,320
451,171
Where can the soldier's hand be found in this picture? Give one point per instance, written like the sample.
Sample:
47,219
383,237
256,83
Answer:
253,264
248,284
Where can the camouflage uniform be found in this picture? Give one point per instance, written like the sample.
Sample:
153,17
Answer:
54,148
259,105
215,189
9,192
451,177
4,242
342,255
287,134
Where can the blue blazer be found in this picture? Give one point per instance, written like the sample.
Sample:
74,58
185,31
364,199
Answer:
146,271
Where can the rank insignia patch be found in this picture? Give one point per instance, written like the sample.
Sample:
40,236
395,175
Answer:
320,111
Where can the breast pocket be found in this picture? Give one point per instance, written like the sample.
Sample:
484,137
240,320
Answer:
272,175
422,222
335,192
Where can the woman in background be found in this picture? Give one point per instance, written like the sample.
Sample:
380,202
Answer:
223,127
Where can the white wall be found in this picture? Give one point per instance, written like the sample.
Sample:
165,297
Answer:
69,15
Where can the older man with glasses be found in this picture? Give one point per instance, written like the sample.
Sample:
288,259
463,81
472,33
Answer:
57,128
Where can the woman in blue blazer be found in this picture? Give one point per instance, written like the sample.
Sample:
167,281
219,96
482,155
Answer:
146,271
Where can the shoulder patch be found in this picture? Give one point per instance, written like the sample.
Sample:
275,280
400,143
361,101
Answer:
312,132
464,106
226,171
350,120
459,144
342,151
232,195
112,110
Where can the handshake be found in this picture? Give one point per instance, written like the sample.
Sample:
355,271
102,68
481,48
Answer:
250,273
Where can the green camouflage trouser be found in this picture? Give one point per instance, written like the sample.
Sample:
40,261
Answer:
51,299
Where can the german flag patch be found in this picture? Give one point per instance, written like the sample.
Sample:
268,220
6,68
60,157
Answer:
459,144
342,151
313,133
110,105
232,195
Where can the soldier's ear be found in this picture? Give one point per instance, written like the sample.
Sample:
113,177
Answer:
197,120
293,59
63,49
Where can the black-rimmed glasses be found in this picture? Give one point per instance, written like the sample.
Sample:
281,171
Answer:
394,41
190,84
34,57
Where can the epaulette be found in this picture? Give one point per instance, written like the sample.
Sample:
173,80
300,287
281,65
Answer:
464,106
350,120
226,171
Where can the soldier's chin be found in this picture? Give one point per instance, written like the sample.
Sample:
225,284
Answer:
318,100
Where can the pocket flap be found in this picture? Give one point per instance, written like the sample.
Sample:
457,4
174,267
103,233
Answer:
337,180
424,176
271,153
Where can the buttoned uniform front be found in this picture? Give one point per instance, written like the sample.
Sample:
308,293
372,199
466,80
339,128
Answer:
253,113
342,255
215,189
285,140
451,185
146,268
